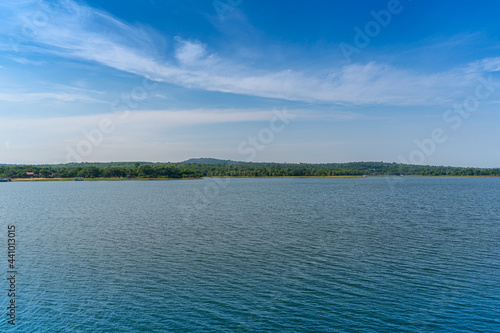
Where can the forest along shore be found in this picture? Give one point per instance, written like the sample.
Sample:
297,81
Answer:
226,168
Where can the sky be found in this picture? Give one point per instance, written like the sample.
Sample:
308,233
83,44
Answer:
280,81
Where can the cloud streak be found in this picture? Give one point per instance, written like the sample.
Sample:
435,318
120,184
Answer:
137,134
154,120
78,31
35,97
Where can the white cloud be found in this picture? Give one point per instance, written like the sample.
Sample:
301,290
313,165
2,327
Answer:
75,30
25,61
34,97
486,65
143,123
133,120
139,135
188,53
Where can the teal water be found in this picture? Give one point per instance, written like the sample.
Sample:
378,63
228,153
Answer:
406,254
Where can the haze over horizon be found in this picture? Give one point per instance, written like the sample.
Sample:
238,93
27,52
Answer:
396,81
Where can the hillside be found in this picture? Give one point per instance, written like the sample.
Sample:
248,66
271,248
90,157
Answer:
210,167
207,160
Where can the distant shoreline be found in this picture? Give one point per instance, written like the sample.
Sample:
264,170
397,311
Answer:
252,177
235,169
367,176
91,179
120,179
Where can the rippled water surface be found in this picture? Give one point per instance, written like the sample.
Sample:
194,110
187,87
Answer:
403,254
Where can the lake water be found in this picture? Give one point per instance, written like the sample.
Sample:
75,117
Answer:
403,254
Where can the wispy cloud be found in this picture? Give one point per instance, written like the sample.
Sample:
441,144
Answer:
25,61
138,120
57,96
485,65
191,52
79,31
136,135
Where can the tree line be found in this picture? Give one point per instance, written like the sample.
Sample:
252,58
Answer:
236,169
143,171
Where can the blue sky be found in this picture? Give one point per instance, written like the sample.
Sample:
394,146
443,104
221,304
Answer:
285,81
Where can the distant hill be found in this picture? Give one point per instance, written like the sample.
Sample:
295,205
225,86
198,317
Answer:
207,160
98,164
